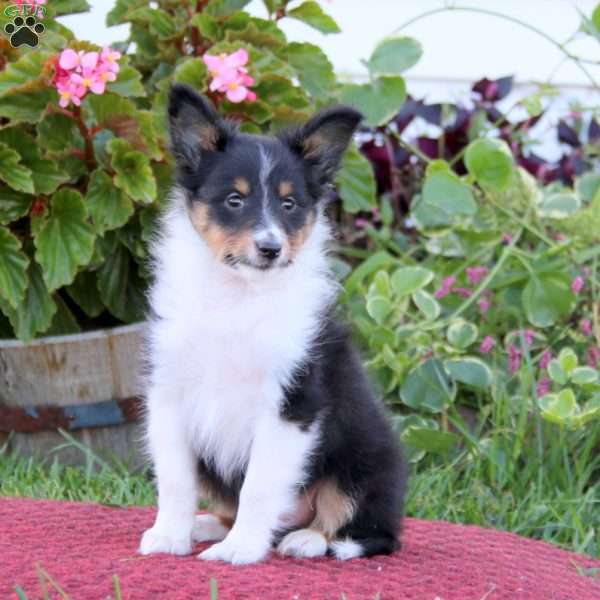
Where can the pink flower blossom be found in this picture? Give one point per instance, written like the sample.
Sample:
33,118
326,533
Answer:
360,222
514,359
543,387
586,327
464,292
484,305
487,344
78,73
593,356
529,336
507,238
229,75
545,359
476,274
577,284
446,287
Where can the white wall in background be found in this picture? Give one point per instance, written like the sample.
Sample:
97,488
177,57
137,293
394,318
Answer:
457,45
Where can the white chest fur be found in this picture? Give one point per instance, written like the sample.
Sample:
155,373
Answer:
223,344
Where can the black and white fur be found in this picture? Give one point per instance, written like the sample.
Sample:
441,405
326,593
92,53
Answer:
256,399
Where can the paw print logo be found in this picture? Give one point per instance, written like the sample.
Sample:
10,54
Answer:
24,32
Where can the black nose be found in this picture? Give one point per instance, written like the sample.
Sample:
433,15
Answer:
270,249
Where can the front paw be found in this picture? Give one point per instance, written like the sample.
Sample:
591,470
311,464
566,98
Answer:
236,552
154,541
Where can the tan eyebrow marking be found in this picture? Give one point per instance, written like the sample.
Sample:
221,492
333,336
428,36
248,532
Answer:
242,185
285,188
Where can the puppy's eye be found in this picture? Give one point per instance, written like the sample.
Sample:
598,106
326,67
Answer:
288,203
234,200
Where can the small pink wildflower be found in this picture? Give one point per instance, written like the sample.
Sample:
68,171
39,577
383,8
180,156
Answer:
476,274
593,356
529,336
360,222
78,73
586,327
464,292
507,238
545,359
230,76
487,344
484,305
446,286
514,359
543,387
577,284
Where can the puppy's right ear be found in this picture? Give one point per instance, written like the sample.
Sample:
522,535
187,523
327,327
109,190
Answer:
195,126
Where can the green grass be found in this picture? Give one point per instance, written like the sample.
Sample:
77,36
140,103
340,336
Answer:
513,473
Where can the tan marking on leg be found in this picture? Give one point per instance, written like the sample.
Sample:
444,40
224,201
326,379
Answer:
333,509
285,189
242,185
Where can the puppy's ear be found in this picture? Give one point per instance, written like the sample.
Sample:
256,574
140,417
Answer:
195,127
323,139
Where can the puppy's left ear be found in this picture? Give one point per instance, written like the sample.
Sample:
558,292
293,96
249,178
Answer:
323,139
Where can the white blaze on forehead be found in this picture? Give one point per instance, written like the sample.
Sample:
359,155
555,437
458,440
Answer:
268,229
266,166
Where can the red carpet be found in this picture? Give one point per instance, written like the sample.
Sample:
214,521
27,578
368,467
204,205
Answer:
83,545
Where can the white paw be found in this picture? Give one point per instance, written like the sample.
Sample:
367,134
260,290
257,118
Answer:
346,549
306,543
234,552
208,528
155,540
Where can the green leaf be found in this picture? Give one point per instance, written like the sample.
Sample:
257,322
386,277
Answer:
491,162
394,55
312,14
58,133
428,387
596,17
68,7
108,206
64,321
193,72
133,172
444,191
13,268
470,370
556,372
34,314
13,205
376,261
314,70
379,101
223,8
120,11
430,440
13,172
127,83
407,280
46,175
567,360
27,107
23,72
356,182
65,241
159,22
427,304
559,205
584,375
381,284
378,308
120,286
587,186
559,408
84,291
206,25
462,334
547,297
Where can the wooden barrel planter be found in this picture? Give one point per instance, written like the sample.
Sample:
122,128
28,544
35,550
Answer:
85,384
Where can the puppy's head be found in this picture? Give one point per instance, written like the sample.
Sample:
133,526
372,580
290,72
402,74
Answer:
254,199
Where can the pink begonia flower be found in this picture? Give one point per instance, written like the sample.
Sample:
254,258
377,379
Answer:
543,387
446,287
487,344
78,73
593,356
545,359
484,305
514,359
586,327
229,76
577,284
476,274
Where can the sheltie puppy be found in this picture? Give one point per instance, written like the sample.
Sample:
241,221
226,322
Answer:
256,399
